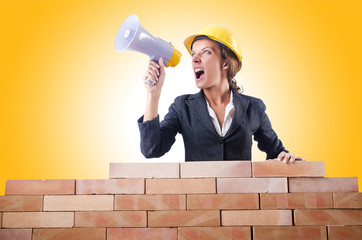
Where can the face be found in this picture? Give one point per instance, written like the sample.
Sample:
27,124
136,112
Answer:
209,68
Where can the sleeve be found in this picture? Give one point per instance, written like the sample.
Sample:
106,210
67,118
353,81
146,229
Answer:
267,139
158,137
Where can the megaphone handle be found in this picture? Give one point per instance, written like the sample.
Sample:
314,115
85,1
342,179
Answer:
149,82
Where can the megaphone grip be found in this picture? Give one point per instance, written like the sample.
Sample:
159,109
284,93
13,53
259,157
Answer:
149,82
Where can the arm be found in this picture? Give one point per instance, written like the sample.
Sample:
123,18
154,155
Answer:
269,142
156,138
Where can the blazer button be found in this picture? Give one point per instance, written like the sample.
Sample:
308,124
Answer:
219,143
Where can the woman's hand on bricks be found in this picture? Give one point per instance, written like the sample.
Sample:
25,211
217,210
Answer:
289,157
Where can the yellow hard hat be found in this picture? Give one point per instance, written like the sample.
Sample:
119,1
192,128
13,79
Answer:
219,34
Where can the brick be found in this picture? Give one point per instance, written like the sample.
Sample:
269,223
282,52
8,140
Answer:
280,169
214,233
150,202
141,233
347,200
223,201
204,218
216,169
290,232
79,203
1,218
328,217
334,184
70,233
21,203
252,185
256,217
180,186
344,232
144,170
37,219
295,200
111,219
39,187
15,234
110,186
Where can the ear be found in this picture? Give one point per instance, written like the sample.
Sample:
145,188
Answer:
225,65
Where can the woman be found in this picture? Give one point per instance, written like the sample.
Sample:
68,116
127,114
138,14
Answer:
218,122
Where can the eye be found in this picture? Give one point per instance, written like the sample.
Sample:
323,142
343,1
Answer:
207,52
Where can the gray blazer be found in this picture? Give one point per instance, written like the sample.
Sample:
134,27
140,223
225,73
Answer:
188,115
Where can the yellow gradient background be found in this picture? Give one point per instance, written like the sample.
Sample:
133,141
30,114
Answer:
69,103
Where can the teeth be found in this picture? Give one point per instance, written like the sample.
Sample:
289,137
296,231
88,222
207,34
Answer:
198,72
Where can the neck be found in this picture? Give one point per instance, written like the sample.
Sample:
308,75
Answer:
218,95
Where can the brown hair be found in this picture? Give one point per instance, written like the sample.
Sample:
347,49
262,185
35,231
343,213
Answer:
233,64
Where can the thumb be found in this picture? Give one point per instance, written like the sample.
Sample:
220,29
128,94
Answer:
160,61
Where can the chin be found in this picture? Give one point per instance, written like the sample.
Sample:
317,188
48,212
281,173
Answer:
199,85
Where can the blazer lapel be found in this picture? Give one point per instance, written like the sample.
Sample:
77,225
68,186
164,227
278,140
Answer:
197,105
240,104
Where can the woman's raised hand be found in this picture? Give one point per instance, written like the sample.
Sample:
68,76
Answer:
156,74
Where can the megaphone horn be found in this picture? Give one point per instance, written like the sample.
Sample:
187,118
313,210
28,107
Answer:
133,37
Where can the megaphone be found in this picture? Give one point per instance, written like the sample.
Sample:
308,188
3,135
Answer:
132,36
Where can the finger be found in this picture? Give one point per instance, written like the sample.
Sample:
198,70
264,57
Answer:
151,77
281,156
151,68
154,71
154,66
154,63
300,159
292,158
286,158
162,66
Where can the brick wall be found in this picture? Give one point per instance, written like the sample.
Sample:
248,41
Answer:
181,201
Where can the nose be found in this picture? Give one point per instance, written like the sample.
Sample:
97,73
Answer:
196,58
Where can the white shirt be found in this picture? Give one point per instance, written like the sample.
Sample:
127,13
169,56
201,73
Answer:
229,115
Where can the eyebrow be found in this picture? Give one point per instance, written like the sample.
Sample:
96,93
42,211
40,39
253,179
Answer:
213,49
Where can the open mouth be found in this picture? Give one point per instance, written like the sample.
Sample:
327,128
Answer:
199,73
